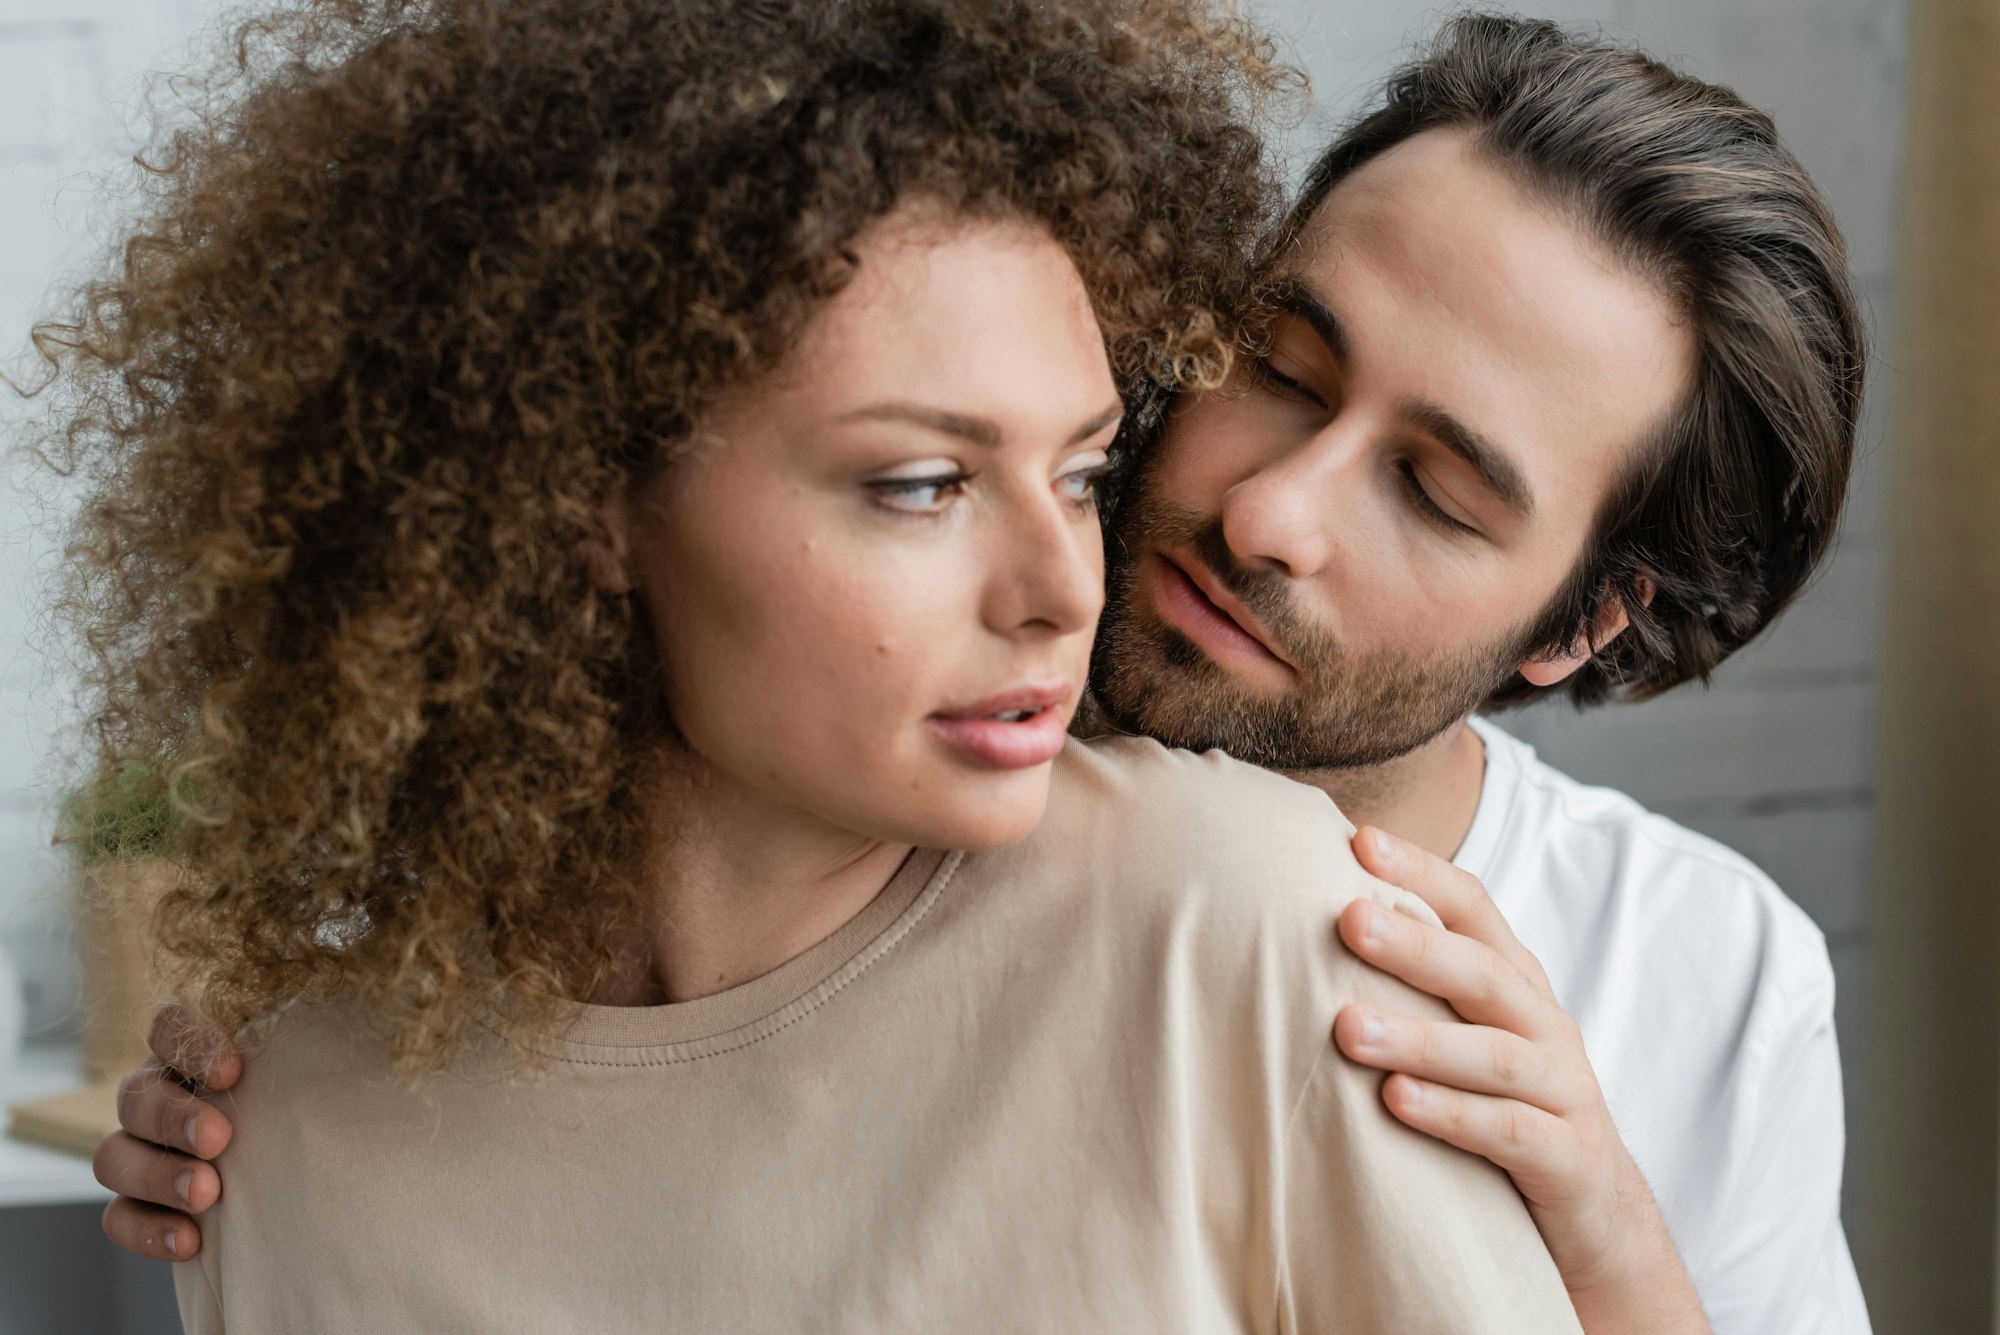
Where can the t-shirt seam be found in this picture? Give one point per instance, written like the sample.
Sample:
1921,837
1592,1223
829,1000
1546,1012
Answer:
214,1294
880,947
1278,1265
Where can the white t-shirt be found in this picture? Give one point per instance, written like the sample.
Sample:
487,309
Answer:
1706,1003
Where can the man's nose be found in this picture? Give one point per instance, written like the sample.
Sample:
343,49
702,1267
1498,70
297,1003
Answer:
1282,515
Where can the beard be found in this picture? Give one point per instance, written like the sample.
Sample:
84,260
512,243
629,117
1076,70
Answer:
1348,709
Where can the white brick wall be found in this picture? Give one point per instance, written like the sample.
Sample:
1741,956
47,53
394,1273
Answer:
1775,760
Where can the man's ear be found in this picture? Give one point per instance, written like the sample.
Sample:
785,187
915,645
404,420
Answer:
611,560
1611,623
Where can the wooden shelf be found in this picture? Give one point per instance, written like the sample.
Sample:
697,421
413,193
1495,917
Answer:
30,1174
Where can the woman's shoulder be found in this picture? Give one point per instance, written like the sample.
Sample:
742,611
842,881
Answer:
318,1076
1202,832
1198,875
1207,798
297,1054
1161,782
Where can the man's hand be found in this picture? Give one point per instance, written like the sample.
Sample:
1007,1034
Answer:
158,1164
1512,1085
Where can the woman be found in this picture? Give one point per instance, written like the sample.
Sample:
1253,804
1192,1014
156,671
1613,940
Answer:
592,500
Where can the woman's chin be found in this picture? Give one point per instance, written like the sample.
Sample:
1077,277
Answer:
989,813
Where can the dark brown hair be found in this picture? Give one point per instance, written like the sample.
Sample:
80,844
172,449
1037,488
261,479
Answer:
1730,509
418,285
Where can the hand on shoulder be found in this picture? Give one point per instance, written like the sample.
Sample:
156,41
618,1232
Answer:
161,1162
1513,1084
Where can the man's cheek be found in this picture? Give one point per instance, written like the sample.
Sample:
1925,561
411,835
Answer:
1230,444
1193,476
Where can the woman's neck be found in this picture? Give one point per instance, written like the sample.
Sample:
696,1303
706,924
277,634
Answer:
737,885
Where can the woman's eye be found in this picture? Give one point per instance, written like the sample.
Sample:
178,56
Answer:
1080,484
1421,498
928,495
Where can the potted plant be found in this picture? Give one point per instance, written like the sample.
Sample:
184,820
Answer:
121,829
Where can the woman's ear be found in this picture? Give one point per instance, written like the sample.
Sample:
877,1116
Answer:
611,559
1611,623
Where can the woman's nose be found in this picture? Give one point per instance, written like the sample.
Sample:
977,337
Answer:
1052,577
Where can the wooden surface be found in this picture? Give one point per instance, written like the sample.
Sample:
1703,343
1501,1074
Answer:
35,1174
72,1122
1925,1226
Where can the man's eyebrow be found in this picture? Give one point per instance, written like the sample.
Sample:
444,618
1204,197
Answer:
1494,467
1292,296
979,430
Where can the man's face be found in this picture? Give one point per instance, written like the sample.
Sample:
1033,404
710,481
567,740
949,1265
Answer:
1341,552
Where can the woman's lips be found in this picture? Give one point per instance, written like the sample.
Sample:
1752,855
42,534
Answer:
1034,740
1182,602
1016,730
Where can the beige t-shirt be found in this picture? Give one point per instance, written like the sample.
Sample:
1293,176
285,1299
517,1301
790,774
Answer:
1084,1083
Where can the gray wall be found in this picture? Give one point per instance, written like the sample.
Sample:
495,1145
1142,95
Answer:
1775,759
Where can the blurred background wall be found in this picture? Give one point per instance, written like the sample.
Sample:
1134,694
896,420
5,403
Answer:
1776,760
1928,1194
70,117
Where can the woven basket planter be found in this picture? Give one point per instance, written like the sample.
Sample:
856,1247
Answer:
114,905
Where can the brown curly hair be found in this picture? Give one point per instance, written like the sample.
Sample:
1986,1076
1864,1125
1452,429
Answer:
421,283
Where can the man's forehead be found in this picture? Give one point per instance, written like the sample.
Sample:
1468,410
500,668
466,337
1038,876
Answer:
1509,314
1416,202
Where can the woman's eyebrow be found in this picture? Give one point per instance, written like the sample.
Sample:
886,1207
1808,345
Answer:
965,426
1098,423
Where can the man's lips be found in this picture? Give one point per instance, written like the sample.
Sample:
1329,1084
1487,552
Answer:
1208,614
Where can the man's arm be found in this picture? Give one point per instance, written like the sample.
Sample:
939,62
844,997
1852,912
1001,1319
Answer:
1514,1085
160,1164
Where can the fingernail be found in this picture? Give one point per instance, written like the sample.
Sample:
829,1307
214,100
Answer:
1382,846
1413,1094
181,1186
1374,926
172,1242
1372,1032
192,1129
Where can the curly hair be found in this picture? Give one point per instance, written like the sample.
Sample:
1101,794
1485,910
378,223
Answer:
417,286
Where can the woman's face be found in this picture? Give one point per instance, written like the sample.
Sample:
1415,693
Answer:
874,582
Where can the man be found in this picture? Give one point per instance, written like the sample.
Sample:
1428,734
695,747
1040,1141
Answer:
1558,397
